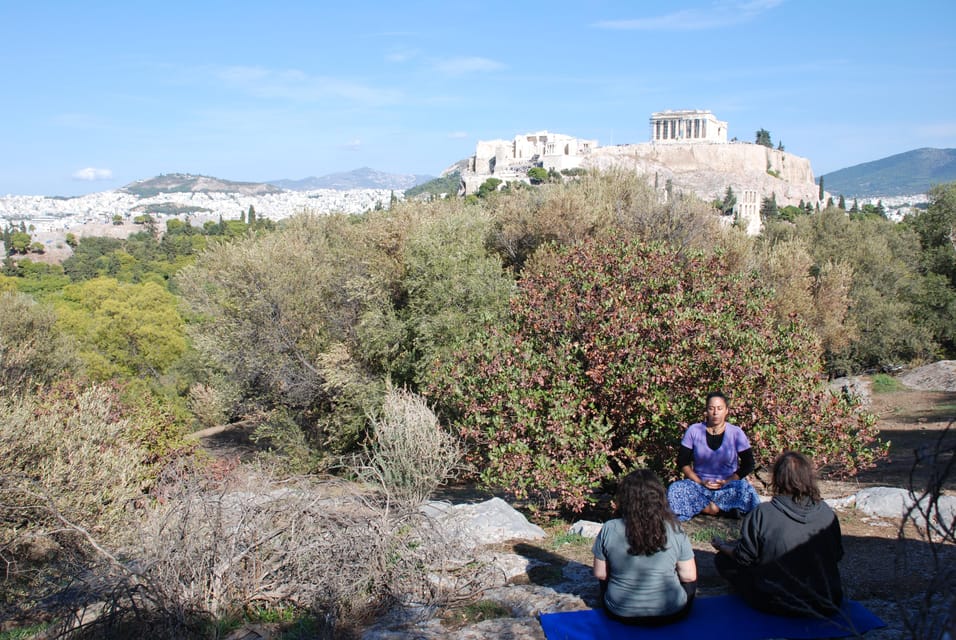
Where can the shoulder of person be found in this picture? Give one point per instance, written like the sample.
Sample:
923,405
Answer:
611,525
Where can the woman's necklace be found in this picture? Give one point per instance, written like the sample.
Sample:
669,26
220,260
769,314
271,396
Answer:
716,431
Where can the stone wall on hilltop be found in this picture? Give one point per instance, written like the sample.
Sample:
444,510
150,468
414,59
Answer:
708,169
701,167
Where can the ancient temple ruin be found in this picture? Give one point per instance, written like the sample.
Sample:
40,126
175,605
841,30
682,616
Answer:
540,149
688,152
510,160
687,125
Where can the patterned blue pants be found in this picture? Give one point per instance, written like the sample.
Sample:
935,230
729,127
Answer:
687,498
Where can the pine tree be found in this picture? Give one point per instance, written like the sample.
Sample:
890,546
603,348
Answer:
729,202
251,217
842,202
768,208
763,138
820,194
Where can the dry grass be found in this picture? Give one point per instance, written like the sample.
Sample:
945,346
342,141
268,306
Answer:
219,549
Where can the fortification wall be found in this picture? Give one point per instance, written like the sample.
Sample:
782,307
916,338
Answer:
707,169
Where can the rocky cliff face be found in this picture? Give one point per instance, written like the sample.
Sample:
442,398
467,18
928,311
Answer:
708,169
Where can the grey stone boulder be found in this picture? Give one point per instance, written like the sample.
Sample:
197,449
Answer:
585,528
892,502
487,522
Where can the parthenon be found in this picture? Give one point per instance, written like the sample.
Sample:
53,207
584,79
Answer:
687,125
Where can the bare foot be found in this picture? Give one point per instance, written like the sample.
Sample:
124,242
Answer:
711,509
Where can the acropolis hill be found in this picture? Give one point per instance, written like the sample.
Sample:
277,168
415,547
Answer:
688,151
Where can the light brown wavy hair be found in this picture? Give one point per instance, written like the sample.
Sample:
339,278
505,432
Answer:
642,504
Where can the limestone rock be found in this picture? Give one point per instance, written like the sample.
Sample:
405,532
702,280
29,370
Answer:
938,376
585,528
483,523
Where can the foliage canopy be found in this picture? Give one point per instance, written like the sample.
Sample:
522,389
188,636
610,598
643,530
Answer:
611,346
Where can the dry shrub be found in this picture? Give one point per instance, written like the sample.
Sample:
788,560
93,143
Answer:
216,551
71,452
72,469
207,404
410,454
818,294
32,350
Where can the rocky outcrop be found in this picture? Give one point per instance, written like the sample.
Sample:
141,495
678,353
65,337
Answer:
708,169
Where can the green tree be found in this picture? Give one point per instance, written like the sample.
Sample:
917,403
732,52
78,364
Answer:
20,242
841,203
936,229
279,314
763,138
885,318
488,187
768,207
820,192
251,216
609,350
538,175
729,202
125,330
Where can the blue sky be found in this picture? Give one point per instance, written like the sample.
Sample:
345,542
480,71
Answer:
96,95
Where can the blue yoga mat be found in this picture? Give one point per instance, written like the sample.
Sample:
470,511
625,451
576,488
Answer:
715,618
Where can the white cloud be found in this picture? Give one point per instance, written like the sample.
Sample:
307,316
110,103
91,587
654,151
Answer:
354,144
458,135
719,14
472,64
91,174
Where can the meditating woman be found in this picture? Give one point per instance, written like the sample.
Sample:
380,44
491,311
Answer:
786,559
714,457
643,559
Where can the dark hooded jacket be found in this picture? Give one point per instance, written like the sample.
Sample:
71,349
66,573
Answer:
791,548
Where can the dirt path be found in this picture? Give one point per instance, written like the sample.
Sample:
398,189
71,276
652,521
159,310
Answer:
912,421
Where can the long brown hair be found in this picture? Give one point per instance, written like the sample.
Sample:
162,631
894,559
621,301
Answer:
793,476
642,504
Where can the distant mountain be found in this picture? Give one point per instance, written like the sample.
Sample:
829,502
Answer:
903,174
188,183
364,178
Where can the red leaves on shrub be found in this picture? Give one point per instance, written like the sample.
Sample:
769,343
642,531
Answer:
609,351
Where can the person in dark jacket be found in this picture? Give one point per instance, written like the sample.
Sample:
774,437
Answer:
786,559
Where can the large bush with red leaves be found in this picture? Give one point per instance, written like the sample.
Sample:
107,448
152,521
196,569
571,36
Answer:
609,350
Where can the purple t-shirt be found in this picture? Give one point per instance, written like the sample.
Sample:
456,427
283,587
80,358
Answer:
710,464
